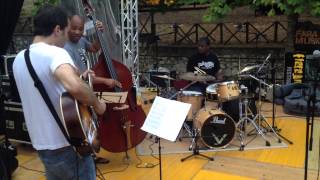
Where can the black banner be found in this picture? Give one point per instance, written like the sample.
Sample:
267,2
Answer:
294,67
307,37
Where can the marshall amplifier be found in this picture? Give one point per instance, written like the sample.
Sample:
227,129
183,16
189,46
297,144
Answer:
15,125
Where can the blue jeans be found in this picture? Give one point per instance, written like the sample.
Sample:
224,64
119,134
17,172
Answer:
65,164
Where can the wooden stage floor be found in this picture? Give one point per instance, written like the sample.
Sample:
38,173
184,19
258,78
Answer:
277,163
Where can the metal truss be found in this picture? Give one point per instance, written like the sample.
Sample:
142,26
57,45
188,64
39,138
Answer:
129,37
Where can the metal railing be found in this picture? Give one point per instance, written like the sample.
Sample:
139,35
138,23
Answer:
220,33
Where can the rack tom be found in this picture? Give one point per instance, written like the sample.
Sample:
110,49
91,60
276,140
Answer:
228,90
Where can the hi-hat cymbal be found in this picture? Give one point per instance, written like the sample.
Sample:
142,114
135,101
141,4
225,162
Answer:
190,76
164,77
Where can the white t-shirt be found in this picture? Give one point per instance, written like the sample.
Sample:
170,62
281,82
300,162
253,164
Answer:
42,127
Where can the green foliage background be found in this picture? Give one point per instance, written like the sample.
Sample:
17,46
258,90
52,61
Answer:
219,8
39,3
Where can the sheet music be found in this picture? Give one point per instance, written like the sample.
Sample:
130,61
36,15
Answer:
165,118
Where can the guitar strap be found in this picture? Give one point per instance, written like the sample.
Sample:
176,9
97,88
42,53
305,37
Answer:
38,84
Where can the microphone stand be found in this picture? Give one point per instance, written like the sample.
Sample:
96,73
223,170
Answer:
310,114
277,130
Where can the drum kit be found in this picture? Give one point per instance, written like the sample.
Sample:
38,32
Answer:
213,125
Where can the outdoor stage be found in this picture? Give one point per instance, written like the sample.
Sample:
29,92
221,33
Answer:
285,162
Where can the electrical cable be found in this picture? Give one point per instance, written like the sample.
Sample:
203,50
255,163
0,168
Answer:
99,174
116,171
146,165
29,169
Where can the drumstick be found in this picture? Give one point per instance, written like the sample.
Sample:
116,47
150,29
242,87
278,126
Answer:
199,70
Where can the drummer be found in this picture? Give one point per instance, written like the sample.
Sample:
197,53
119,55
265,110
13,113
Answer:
206,61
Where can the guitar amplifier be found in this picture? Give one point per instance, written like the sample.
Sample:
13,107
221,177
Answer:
15,126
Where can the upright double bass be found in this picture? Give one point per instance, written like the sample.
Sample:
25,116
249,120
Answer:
119,130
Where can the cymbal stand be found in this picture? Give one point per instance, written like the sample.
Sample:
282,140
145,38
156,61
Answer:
259,115
244,119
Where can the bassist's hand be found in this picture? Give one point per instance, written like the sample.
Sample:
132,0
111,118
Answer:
111,83
99,26
121,107
87,73
100,108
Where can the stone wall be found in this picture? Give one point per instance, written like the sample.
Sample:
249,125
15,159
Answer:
232,61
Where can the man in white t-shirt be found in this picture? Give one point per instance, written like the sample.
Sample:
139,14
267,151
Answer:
57,72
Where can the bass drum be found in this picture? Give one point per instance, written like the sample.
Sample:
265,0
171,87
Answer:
216,128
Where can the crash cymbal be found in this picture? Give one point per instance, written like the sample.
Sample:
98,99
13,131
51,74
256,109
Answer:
164,77
249,68
190,76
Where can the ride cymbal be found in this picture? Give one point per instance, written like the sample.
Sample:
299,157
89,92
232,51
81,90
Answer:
190,76
164,77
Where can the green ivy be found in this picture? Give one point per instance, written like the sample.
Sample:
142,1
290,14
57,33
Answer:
217,9
39,3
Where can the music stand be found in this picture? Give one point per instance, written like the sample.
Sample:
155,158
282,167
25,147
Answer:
195,150
165,120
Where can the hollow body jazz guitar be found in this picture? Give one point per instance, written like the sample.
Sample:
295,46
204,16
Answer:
81,122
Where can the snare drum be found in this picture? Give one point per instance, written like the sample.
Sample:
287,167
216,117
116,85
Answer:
228,90
192,97
212,92
217,129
